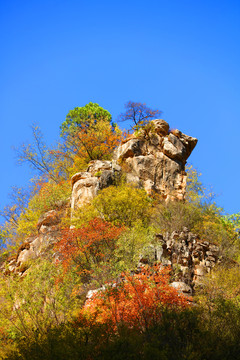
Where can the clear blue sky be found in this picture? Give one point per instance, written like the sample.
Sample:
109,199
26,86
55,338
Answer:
181,57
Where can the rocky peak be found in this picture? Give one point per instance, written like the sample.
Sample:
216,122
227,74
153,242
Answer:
152,158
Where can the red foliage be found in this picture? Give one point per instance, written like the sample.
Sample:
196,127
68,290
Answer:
138,301
91,243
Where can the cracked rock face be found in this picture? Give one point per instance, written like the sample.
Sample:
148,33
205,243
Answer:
85,185
189,257
154,161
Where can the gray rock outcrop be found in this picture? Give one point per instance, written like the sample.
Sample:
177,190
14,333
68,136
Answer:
188,256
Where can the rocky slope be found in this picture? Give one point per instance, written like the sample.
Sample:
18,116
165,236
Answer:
190,257
153,159
48,234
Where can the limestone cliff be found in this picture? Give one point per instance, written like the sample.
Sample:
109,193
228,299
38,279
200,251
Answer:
152,158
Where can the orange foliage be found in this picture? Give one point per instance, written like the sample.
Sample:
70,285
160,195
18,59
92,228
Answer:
90,243
138,301
96,143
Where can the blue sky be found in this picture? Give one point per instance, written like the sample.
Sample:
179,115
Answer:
181,57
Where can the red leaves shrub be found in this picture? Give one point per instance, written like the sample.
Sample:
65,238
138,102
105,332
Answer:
138,301
91,243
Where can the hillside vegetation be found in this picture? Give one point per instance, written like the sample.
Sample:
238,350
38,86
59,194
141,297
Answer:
135,313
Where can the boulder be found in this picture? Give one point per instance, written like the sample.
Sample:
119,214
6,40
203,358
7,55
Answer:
83,191
79,176
182,287
106,179
174,148
85,185
133,147
96,166
189,142
50,218
157,161
35,246
190,262
161,127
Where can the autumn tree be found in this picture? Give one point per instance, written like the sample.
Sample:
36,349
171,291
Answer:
36,303
11,212
37,155
138,114
137,301
89,134
88,115
83,250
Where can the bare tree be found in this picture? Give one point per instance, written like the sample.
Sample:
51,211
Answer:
138,114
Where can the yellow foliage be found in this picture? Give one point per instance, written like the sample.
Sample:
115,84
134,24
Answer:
27,222
50,196
124,204
223,282
82,216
